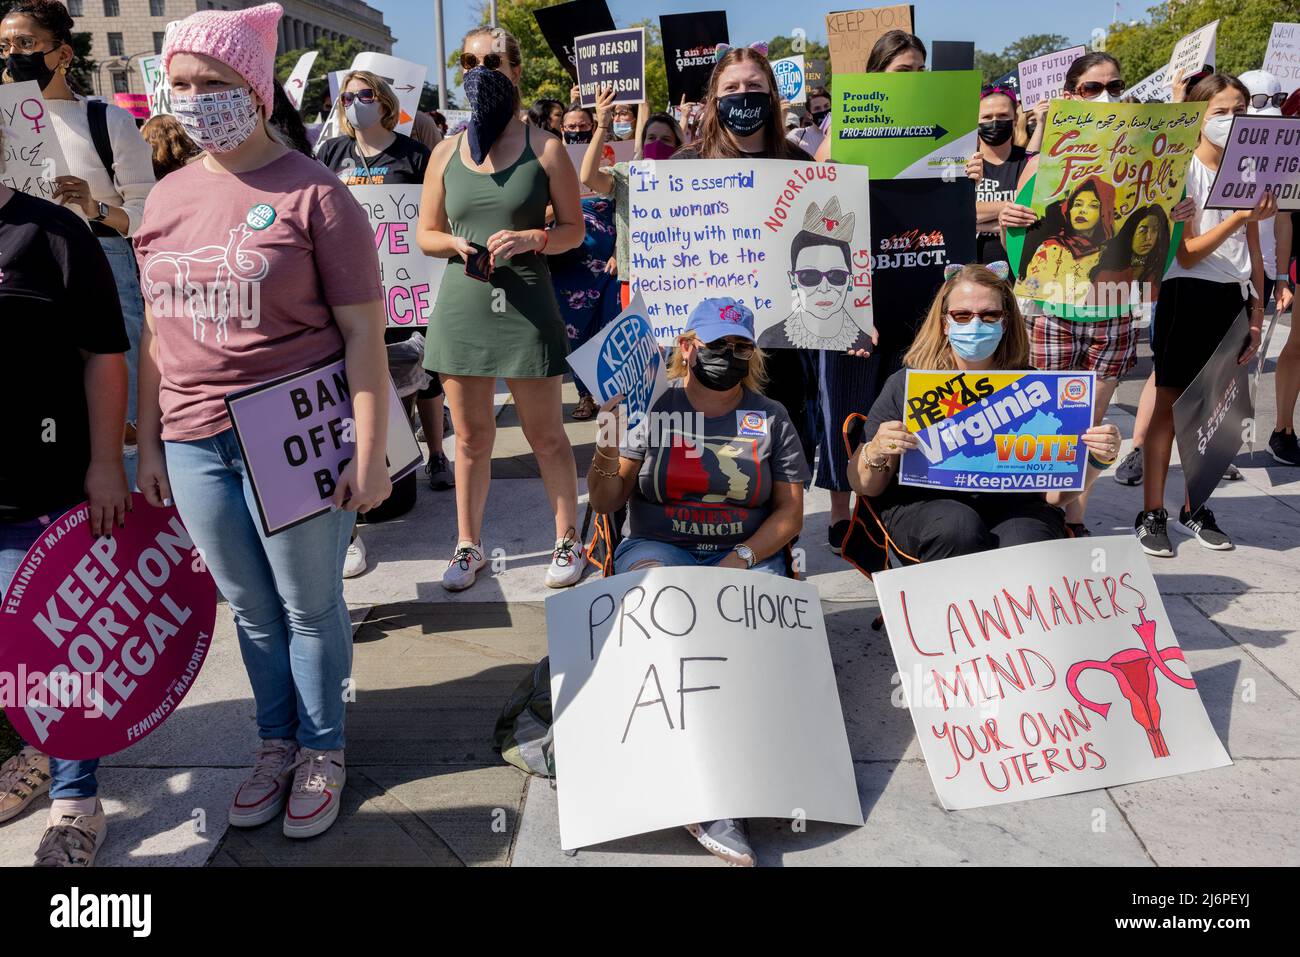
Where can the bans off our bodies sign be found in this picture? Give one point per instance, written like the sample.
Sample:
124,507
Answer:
103,637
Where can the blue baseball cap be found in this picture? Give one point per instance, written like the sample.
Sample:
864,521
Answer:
715,319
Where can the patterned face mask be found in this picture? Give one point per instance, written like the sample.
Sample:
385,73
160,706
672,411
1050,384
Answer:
217,122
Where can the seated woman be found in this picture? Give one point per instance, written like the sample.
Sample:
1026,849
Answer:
716,475
973,325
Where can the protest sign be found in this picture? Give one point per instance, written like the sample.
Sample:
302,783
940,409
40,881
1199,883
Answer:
561,22
457,120
297,435
788,239
997,431
1108,176
137,104
611,152
1154,88
296,85
1213,415
31,155
406,79
411,278
691,694
815,74
1282,58
1262,155
689,41
790,79
1025,677
151,76
952,55
1193,52
906,125
614,59
1043,77
624,357
850,34
104,636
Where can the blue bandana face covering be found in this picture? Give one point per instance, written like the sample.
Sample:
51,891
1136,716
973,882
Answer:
976,340
492,100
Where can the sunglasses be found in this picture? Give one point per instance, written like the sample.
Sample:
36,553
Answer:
1261,100
741,350
811,278
468,61
963,316
365,96
1093,88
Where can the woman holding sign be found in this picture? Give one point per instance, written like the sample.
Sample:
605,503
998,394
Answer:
973,325
258,264
485,207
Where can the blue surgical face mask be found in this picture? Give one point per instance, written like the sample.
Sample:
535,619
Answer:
975,340
622,130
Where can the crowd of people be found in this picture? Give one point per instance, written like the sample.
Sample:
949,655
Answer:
537,246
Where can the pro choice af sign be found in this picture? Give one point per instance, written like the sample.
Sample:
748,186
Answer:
102,638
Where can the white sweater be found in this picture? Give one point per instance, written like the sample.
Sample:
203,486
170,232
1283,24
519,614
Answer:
132,159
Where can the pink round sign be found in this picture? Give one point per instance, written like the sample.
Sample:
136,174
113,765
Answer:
101,638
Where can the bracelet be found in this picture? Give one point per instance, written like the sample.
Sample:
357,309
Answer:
608,473
1098,463
881,466
600,451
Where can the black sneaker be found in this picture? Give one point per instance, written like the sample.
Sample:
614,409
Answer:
1232,473
440,472
1129,470
1202,527
1285,448
1078,529
836,534
1153,533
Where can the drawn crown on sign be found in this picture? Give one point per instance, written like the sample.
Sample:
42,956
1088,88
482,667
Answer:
829,221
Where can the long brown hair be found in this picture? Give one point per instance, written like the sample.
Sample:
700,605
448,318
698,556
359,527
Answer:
718,142
890,45
930,348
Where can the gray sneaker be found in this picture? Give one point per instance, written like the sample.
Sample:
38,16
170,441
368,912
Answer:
441,475
73,841
726,839
23,778
1129,470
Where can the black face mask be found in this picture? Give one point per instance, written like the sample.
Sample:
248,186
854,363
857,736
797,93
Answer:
719,369
577,136
744,113
819,115
996,132
30,66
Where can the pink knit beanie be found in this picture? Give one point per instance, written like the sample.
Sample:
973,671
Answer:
244,40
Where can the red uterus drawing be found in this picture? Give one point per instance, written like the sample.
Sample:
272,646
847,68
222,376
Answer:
1134,670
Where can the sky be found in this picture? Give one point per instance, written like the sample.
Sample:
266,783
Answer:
992,24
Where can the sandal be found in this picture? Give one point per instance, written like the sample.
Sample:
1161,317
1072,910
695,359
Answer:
585,410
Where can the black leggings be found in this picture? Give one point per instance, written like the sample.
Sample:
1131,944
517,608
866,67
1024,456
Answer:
947,527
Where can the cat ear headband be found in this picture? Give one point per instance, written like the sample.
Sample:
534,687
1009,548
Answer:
720,50
999,269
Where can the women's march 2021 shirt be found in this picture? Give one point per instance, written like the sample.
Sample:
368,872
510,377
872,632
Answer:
241,273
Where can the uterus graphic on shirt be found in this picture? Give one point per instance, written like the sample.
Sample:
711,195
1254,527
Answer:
210,285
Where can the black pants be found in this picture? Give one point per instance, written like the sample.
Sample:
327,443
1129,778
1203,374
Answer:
946,527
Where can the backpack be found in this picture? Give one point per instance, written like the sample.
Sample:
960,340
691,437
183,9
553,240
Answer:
97,119
523,734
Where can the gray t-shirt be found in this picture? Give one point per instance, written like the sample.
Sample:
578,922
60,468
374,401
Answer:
706,483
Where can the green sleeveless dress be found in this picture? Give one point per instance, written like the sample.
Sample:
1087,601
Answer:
524,336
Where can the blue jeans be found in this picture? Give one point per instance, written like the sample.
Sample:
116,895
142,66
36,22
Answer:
68,779
122,260
286,591
633,550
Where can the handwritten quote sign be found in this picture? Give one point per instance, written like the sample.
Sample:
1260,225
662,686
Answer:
297,435
1193,52
790,240
691,694
1043,77
1282,58
850,34
1043,669
31,152
410,277
615,60
104,637
1154,88
1262,155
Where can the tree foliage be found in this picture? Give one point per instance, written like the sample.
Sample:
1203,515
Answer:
82,73
331,55
994,65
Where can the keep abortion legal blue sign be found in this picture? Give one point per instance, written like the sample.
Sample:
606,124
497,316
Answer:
624,358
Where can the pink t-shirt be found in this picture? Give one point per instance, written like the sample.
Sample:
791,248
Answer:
241,272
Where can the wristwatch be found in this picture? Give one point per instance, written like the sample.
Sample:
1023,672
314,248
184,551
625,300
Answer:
746,555
103,213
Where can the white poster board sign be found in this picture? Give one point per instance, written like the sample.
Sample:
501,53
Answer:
790,240
615,151
624,358
692,694
1154,88
790,82
411,278
1048,670
1194,51
31,155
457,120
406,79
1282,58
296,85
1043,77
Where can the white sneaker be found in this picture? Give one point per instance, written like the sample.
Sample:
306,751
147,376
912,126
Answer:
354,563
263,793
566,563
318,783
463,567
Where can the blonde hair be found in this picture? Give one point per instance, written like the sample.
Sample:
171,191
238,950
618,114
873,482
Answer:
383,92
931,349
754,379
